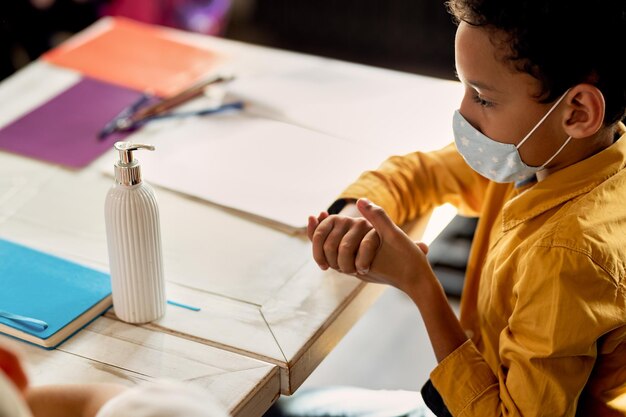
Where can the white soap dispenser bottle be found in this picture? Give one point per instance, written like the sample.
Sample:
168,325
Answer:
134,241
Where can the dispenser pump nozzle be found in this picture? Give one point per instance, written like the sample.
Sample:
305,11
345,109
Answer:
127,169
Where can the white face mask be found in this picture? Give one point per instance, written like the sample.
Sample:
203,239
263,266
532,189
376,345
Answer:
497,161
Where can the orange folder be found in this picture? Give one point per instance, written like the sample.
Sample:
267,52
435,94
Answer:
135,55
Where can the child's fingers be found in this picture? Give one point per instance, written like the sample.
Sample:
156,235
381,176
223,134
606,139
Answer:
378,218
311,226
367,252
331,246
318,240
314,222
366,278
349,245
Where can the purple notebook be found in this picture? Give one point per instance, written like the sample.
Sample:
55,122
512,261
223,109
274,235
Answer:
65,129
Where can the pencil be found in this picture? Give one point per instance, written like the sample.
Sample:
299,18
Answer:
180,98
136,115
237,105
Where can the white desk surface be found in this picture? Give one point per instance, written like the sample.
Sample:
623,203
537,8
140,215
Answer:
265,305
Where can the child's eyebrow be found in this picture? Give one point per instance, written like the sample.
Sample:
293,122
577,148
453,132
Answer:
476,84
482,86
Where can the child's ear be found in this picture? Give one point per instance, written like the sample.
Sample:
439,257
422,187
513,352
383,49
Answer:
585,111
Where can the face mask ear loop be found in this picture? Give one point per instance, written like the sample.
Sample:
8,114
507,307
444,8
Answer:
542,119
556,153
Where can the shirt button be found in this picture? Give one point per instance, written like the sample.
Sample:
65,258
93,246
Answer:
469,333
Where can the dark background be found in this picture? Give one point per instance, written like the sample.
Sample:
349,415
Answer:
409,35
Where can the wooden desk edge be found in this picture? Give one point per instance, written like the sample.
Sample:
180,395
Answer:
261,398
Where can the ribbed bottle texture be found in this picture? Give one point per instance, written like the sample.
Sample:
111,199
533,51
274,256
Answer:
134,243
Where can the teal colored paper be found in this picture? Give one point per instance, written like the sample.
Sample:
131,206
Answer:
35,284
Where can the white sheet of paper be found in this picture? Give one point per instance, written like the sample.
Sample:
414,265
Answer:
392,111
269,169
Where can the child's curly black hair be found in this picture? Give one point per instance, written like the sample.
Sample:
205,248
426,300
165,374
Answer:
560,42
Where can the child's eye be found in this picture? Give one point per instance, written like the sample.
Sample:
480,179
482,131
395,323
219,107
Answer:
484,103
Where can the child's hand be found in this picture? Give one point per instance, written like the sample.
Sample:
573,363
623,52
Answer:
346,244
398,261
354,246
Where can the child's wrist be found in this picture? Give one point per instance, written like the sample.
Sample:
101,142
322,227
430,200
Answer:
424,288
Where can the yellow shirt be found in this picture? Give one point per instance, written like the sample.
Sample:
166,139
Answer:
544,300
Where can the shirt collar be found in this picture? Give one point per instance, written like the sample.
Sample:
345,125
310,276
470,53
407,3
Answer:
566,183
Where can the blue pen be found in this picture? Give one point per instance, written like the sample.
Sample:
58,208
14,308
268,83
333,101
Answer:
114,125
237,105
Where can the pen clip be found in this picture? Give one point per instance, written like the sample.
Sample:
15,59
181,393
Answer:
35,324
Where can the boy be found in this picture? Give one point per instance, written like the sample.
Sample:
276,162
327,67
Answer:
540,157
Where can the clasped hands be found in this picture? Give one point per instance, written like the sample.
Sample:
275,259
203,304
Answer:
371,247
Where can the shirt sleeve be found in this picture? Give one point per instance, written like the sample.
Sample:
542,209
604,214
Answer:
563,303
163,399
410,185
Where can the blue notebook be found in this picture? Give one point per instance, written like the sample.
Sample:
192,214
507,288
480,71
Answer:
45,299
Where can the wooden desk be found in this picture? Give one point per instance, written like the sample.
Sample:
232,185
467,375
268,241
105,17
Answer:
269,315
110,351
